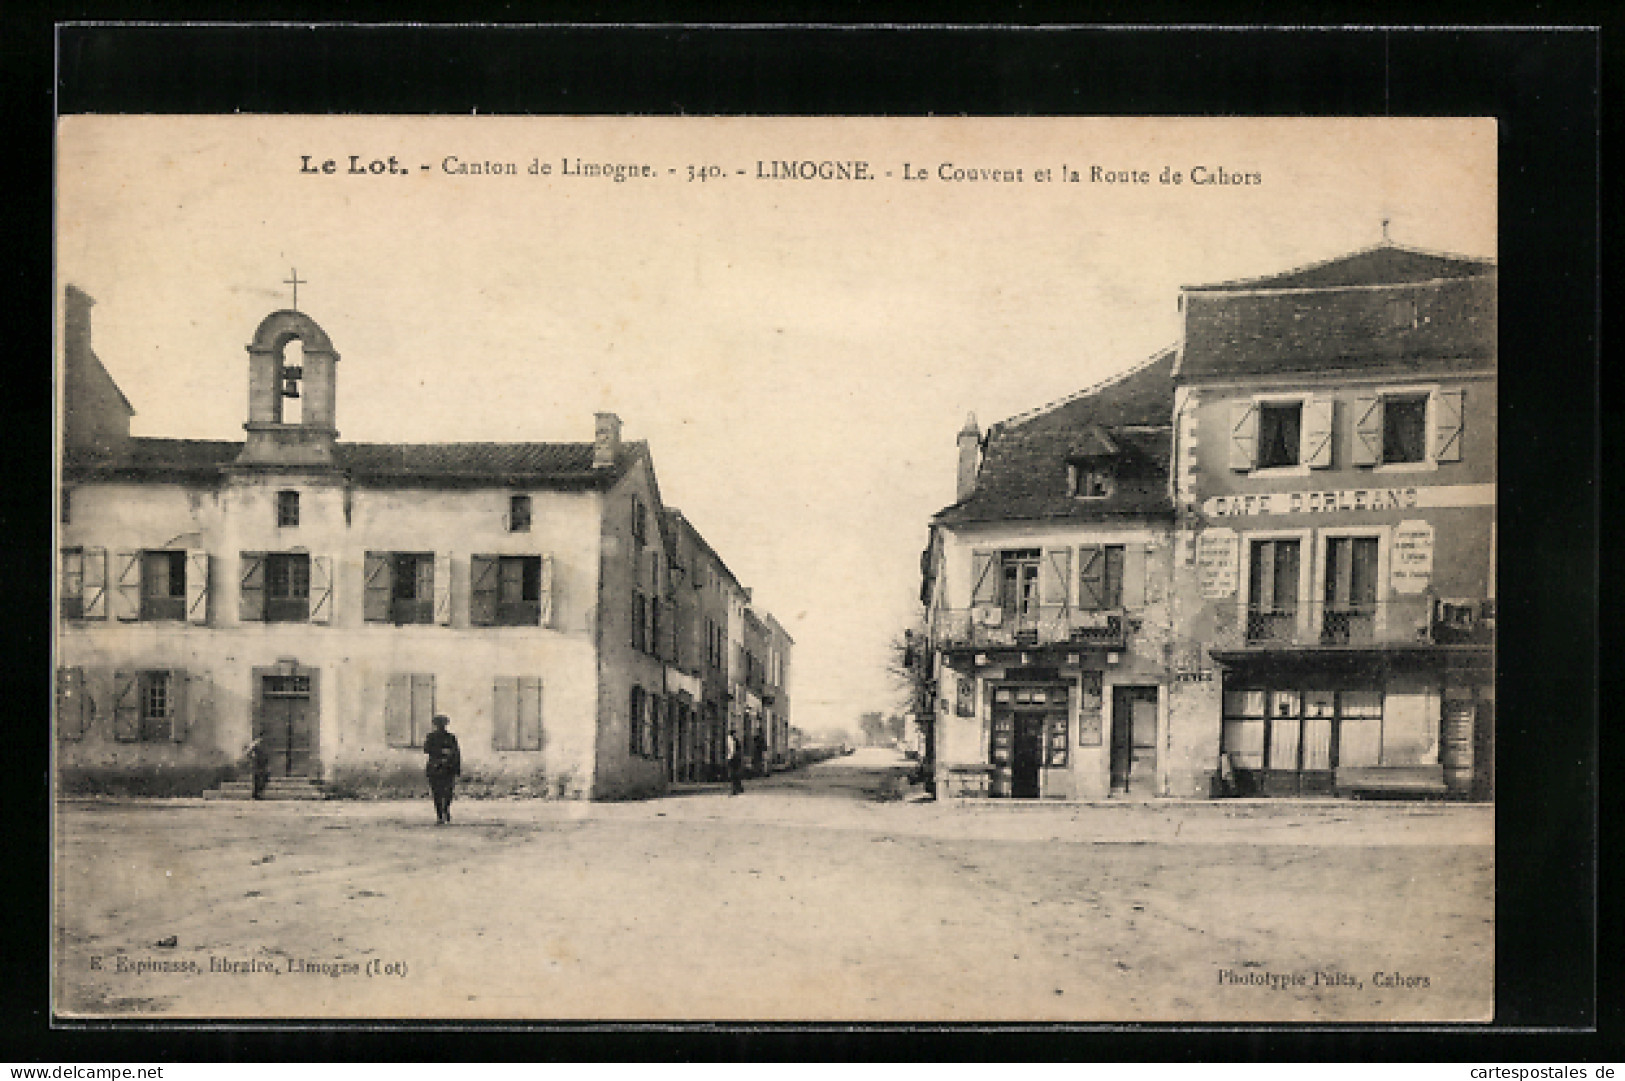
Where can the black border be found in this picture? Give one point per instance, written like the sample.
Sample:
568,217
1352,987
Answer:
1543,85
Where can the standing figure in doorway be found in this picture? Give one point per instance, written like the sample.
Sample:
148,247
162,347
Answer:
736,762
445,763
259,766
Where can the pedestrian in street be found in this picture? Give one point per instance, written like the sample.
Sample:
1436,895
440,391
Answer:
761,755
445,763
259,767
736,762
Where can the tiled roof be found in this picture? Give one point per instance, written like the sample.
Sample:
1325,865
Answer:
1450,328
1385,264
566,465
1024,459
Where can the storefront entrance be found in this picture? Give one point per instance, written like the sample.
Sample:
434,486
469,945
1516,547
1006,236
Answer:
1029,732
1134,739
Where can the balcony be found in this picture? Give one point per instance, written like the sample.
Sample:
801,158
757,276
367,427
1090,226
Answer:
1049,625
1422,621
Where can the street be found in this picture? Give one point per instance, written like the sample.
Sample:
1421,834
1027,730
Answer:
828,893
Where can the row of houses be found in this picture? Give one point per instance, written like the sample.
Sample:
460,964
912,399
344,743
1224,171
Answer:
1261,562
329,598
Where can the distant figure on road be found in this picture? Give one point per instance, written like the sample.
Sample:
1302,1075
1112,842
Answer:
259,766
736,762
445,763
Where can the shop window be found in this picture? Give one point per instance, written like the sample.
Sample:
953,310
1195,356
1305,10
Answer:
287,509
519,514
408,708
509,591
1272,591
400,587
1314,730
1404,429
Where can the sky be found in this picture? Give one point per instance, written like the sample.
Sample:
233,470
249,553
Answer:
799,353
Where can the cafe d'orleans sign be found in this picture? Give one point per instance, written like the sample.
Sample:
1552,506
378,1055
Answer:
1341,500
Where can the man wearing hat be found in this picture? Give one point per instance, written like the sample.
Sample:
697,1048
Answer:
445,763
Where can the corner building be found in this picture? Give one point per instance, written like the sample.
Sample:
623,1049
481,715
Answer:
1334,475
329,598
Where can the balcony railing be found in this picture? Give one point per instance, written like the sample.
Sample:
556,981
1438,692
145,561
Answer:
1408,621
1049,625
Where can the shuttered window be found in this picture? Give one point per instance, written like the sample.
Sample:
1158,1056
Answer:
150,706
507,591
163,585
408,708
1280,431
1404,429
1273,581
71,583
1100,577
73,708
400,587
516,714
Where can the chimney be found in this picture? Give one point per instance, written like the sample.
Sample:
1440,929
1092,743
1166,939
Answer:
970,441
606,440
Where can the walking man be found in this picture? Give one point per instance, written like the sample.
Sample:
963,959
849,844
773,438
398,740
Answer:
445,763
736,762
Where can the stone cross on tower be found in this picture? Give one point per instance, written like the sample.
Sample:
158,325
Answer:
296,281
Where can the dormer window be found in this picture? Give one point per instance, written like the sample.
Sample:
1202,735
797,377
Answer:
1091,480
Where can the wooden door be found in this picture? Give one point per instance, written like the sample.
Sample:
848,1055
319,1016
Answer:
286,725
1028,755
1134,738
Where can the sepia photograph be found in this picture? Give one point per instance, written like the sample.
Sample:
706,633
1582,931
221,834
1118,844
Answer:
771,569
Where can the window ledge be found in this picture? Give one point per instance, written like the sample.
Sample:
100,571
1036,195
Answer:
1406,467
1271,471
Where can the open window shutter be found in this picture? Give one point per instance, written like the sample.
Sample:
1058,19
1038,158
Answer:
126,707
1367,430
95,584
483,583
422,706
321,589
530,714
197,586
504,714
1113,592
442,589
1133,588
127,597
1317,433
984,583
376,588
1243,436
1091,577
1447,425
70,703
398,710
545,591
251,594
180,709
1053,573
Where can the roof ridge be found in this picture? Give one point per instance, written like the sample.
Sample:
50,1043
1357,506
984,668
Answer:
1316,264
1109,381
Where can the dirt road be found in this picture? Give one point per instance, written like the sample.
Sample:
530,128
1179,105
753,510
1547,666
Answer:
806,898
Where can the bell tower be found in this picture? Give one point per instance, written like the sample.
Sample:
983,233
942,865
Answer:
291,412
